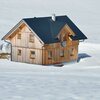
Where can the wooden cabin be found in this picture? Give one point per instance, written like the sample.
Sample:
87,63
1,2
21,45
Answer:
44,40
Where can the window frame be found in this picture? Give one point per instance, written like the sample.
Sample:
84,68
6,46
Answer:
72,52
31,38
61,53
32,56
49,54
63,36
19,36
19,52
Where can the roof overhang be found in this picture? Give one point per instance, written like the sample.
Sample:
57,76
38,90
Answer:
15,28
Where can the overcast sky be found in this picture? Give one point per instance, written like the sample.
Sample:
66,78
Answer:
85,13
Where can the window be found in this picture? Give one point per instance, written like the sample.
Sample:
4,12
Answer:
19,52
63,37
32,54
31,38
19,36
72,52
61,53
49,54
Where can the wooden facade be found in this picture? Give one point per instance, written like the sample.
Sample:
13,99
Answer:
22,42
27,48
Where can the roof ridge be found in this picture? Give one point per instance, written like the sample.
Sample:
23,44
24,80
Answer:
40,17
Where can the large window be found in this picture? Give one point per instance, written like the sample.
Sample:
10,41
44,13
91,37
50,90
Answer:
49,54
32,54
31,38
19,36
19,52
61,53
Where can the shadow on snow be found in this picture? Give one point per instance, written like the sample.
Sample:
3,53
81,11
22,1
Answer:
82,56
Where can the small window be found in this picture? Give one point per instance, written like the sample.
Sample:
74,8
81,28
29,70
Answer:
63,37
72,52
19,36
31,38
49,54
19,52
61,53
32,54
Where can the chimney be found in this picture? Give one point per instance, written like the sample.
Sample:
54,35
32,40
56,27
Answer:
53,17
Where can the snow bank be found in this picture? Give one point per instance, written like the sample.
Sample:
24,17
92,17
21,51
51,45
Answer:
73,81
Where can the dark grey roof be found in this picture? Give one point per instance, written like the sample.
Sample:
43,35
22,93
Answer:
47,29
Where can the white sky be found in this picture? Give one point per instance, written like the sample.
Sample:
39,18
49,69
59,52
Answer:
85,13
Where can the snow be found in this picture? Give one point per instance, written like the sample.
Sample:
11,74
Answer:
74,81
5,47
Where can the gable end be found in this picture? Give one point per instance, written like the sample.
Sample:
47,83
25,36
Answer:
16,27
